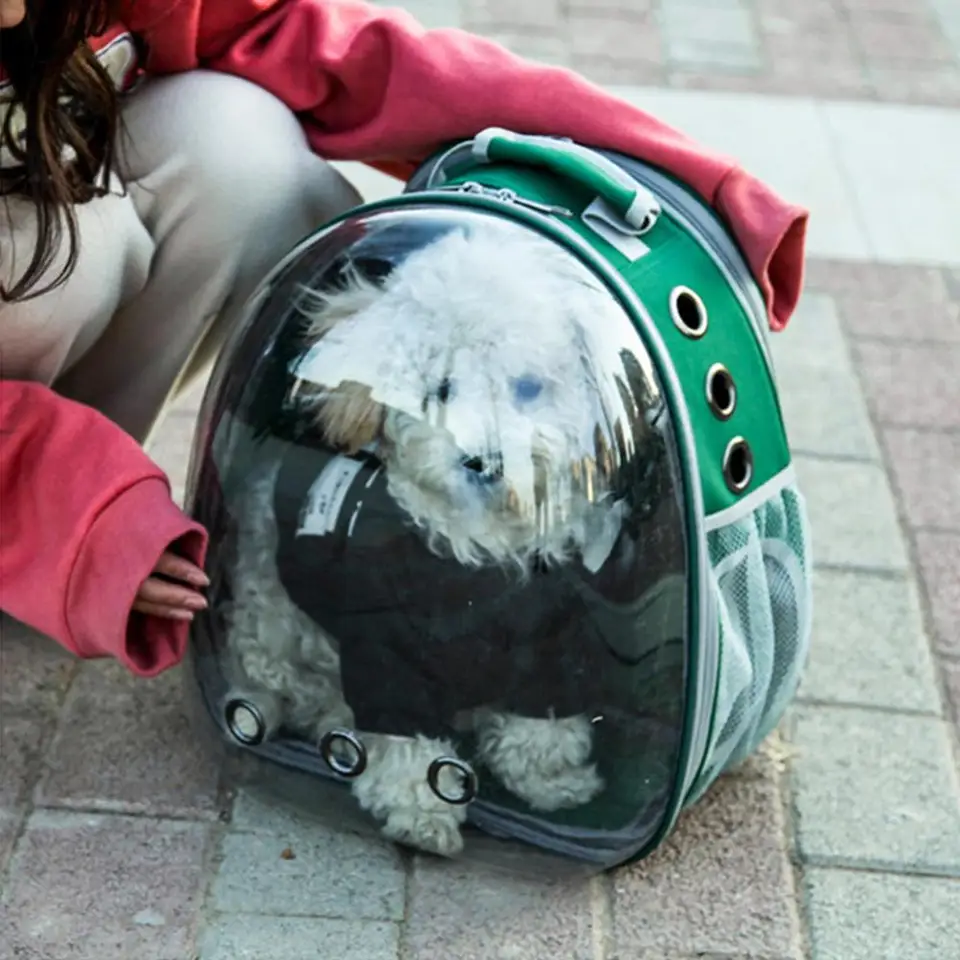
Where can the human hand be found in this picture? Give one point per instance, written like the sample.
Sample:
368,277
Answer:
171,591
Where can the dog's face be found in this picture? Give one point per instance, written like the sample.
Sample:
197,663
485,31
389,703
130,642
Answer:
473,368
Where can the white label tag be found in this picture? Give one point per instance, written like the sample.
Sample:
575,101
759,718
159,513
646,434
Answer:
604,222
326,496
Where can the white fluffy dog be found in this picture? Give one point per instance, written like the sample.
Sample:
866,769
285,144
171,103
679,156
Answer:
472,370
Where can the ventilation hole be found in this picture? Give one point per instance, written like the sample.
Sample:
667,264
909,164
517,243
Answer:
688,312
738,465
721,391
343,753
463,773
245,722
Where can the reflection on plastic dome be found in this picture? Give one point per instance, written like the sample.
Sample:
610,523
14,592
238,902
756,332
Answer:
449,557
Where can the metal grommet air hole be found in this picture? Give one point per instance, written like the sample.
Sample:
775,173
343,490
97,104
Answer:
721,392
738,465
688,312
245,722
343,752
468,780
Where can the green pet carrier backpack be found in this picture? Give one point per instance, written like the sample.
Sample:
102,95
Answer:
575,706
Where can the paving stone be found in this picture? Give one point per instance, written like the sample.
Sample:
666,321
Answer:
333,873
939,558
823,407
912,384
543,47
869,647
432,14
531,13
721,885
472,914
594,37
877,916
901,320
34,670
84,886
852,515
720,34
825,414
21,737
890,40
876,789
916,83
951,673
9,828
813,340
883,283
239,937
926,475
124,743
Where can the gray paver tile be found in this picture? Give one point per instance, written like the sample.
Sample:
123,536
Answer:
926,475
912,384
34,670
21,736
869,646
813,340
823,407
722,884
877,916
939,556
825,414
239,937
876,788
9,827
332,873
85,886
900,319
719,34
951,672
852,514
476,915
125,743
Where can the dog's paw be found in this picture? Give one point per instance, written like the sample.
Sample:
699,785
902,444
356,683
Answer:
544,762
431,831
560,790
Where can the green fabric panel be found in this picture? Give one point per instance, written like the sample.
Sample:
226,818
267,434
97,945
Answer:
677,258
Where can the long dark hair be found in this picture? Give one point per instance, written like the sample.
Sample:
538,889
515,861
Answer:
70,105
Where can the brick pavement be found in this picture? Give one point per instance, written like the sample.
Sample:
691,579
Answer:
840,841
891,50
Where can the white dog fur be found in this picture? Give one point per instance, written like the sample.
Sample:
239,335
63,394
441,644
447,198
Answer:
482,348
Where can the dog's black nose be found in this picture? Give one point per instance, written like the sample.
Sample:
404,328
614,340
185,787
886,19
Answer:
483,469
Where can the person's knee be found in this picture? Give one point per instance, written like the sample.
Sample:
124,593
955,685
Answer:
231,158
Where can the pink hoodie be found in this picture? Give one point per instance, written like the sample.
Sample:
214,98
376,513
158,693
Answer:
369,84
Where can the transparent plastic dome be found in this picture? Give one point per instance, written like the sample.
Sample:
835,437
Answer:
448,556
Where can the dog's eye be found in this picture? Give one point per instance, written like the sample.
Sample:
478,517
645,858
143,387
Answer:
445,390
527,388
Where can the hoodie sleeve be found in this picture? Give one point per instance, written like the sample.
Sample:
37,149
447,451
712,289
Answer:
371,84
84,517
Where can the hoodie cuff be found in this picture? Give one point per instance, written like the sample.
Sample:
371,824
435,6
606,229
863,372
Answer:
119,552
776,234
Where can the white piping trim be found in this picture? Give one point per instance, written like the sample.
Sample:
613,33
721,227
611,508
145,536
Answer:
746,506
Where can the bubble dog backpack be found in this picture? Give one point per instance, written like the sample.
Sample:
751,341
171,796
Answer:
553,644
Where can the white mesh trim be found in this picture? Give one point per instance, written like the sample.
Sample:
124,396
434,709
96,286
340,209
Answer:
747,505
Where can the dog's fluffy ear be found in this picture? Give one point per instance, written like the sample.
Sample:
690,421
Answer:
324,309
349,417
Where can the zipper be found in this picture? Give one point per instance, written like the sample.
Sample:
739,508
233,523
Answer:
506,195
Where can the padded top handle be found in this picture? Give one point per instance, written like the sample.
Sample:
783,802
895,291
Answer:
627,198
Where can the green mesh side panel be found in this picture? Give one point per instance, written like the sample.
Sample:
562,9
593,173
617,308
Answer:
761,578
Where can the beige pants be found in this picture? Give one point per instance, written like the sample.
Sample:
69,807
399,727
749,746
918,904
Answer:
220,184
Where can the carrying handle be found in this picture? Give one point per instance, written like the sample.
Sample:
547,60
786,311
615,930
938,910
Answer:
627,198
